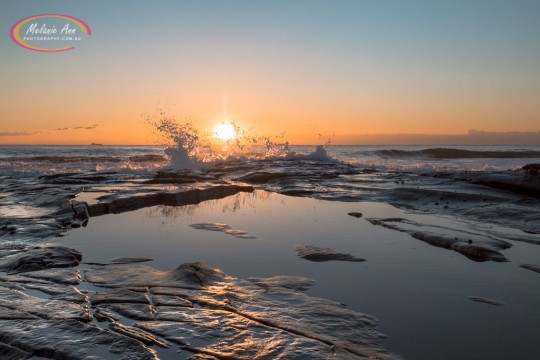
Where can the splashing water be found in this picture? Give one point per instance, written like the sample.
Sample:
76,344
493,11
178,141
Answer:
188,148
185,146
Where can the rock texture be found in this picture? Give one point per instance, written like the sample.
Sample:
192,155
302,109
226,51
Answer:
224,228
315,253
141,312
208,312
39,258
172,198
68,339
474,246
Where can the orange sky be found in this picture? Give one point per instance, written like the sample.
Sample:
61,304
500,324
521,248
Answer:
354,69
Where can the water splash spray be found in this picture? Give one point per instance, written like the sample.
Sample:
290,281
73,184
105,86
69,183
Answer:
188,148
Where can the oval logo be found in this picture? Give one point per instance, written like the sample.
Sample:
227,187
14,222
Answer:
49,32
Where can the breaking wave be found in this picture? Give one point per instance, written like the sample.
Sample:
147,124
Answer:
449,153
189,148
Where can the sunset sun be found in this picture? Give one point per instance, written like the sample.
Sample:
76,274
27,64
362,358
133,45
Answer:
224,131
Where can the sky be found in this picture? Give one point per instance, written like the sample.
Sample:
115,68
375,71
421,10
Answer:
303,68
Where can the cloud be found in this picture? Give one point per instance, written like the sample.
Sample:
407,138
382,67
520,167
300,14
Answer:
91,127
18,133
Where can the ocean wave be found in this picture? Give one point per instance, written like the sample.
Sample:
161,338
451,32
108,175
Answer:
84,159
449,153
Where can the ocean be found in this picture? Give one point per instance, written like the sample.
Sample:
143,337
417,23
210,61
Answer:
47,159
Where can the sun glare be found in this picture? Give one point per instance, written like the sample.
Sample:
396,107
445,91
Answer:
224,131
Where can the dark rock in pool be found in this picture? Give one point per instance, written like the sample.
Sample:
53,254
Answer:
486,300
171,198
474,246
224,228
39,258
315,253
129,260
355,214
121,260
81,216
298,283
531,267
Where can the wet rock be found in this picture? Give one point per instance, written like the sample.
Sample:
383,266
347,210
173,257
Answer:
129,260
173,291
10,314
121,260
168,300
39,258
172,198
297,283
63,276
137,334
59,292
43,308
80,209
223,335
131,311
531,267
101,314
20,279
198,274
355,214
223,228
70,339
119,296
525,181
486,300
474,246
238,319
8,352
188,276
315,253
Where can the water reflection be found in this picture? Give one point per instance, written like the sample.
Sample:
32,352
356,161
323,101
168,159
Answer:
230,205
